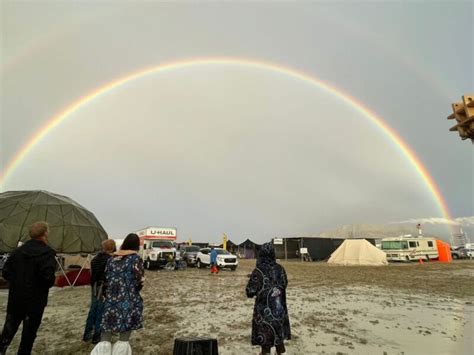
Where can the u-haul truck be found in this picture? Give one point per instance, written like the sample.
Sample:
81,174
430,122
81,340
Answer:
157,245
407,247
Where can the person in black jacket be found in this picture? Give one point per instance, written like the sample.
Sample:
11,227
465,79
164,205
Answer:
30,273
94,318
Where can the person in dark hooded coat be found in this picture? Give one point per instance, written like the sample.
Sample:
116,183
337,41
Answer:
270,323
30,273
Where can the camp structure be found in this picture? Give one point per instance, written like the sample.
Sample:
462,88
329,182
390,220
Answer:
358,252
231,247
248,249
73,230
322,245
319,248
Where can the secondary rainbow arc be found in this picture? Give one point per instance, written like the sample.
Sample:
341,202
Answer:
297,74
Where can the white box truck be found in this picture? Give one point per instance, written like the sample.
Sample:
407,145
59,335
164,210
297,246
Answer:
157,245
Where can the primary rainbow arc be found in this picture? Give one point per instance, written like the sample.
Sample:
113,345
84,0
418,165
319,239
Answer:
297,74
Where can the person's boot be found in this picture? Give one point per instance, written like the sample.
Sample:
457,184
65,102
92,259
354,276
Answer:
122,348
102,348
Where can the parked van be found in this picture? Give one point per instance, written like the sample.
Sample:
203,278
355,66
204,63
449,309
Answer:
407,247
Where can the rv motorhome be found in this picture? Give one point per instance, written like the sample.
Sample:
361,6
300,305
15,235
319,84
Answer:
407,247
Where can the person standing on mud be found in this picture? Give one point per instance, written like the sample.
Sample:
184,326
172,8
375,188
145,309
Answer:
94,318
123,305
214,268
270,323
30,273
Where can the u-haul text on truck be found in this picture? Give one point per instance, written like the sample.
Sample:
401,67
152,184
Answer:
157,245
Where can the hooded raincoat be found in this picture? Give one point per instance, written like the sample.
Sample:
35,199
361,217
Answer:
268,281
213,257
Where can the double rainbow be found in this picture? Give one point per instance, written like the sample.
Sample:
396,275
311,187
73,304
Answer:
296,74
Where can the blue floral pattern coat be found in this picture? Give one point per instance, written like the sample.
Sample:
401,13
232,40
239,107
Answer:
268,281
123,306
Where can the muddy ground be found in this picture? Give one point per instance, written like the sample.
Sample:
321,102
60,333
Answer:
395,309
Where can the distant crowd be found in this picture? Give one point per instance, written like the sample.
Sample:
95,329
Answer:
117,277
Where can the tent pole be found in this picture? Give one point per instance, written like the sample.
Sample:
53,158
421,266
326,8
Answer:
64,272
286,253
80,271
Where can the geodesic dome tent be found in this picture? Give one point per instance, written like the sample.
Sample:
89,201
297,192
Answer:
73,228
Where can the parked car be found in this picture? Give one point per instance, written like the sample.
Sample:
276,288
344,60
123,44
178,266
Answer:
224,259
188,253
459,253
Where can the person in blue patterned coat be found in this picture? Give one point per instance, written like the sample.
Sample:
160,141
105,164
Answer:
270,323
123,304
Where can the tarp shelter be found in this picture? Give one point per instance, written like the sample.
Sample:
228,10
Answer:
358,252
444,252
248,249
73,228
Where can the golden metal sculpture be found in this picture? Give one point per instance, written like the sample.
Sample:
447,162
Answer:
463,112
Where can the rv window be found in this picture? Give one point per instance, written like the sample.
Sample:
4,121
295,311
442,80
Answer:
412,244
394,245
430,244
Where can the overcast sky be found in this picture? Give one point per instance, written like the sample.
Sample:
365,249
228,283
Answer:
224,148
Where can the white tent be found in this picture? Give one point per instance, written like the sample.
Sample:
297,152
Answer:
358,252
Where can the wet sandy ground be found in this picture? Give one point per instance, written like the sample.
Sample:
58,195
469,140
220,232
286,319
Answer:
397,309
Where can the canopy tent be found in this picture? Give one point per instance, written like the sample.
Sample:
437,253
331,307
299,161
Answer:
73,228
358,252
